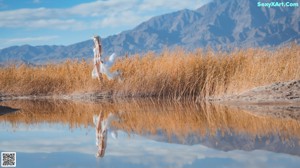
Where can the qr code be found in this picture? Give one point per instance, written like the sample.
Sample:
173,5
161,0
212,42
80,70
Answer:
8,159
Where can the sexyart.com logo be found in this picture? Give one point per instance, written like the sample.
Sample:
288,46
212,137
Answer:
277,4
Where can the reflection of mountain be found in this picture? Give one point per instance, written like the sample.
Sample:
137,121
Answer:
224,23
233,141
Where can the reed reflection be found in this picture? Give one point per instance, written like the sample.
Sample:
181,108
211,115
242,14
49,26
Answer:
216,126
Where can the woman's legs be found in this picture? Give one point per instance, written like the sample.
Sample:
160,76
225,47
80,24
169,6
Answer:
98,72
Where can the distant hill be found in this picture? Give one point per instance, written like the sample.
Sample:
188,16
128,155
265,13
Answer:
222,24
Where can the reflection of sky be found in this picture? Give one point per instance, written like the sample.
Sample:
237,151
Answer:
55,145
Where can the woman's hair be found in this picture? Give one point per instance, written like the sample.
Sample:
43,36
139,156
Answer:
98,39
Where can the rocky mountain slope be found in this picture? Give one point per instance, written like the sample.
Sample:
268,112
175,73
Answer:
224,24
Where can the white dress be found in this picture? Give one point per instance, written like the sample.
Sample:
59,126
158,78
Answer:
105,125
105,67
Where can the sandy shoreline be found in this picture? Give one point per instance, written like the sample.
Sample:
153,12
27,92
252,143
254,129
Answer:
280,92
280,99
277,93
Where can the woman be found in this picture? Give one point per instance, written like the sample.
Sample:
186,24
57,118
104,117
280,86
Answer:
97,58
101,67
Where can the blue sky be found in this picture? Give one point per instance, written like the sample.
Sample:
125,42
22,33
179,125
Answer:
58,22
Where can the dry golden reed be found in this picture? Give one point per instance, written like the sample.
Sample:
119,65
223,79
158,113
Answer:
68,77
173,74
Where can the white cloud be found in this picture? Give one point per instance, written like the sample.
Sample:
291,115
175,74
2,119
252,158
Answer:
171,4
26,40
36,1
122,19
2,5
92,15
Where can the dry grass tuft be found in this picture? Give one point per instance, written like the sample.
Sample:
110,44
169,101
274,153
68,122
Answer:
173,74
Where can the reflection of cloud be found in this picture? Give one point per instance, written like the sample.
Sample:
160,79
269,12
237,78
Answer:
132,150
91,15
180,155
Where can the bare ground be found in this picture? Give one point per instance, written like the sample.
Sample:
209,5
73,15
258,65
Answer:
280,92
277,93
281,99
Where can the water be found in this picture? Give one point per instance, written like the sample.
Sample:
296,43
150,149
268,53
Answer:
146,134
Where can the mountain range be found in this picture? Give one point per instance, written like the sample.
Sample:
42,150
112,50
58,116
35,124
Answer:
220,24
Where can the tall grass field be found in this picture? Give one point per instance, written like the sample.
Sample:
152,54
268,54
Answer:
171,74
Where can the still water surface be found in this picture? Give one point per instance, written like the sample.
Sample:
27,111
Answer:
145,134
